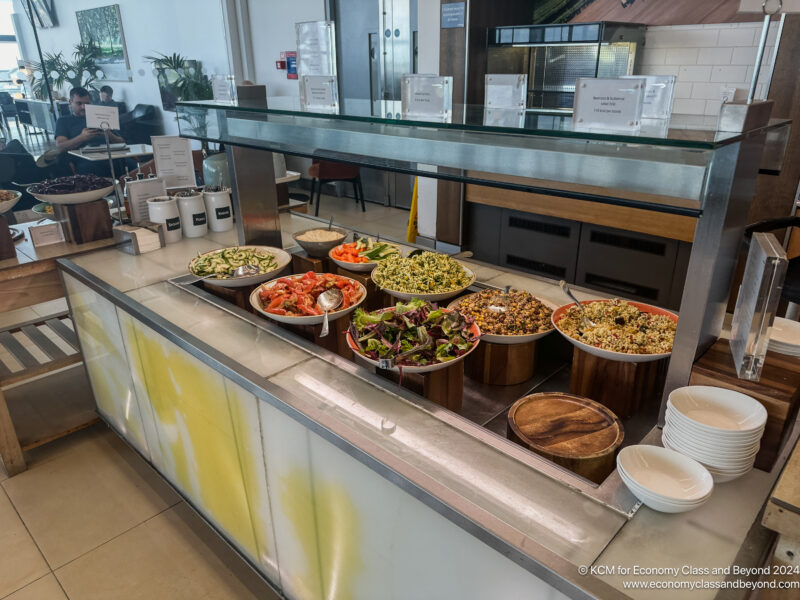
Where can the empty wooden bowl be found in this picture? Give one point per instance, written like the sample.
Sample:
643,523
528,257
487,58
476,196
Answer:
577,433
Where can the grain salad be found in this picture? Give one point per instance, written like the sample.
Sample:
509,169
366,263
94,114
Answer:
620,327
523,314
425,273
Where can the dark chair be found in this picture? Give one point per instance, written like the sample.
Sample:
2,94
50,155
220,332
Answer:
791,285
139,124
322,172
8,109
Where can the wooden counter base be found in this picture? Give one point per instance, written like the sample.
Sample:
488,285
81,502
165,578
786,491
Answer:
623,387
501,364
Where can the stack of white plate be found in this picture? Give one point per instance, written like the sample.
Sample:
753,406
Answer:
785,337
719,428
663,479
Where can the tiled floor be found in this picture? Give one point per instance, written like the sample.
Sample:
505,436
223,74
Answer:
377,219
89,520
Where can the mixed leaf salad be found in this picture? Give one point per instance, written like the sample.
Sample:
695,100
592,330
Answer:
389,332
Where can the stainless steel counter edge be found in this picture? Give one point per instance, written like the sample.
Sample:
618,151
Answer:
511,543
612,493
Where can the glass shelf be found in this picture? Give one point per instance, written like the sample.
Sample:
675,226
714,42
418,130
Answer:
665,174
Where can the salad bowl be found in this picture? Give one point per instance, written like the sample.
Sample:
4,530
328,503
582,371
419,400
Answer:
358,348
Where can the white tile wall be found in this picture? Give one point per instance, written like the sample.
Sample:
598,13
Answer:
707,58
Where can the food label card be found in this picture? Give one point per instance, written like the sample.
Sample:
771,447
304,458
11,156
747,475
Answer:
99,116
139,192
173,156
44,235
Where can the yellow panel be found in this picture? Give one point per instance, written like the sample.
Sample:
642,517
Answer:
194,425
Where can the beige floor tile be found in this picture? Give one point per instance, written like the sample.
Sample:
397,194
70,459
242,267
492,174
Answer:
19,315
83,490
46,588
20,560
170,557
45,309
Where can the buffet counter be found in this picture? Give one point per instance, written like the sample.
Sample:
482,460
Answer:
335,483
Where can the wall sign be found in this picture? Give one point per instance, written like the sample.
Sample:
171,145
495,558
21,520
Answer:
427,98
291,64
453,15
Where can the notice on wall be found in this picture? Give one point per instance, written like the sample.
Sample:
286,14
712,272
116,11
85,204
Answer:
99,117
609,104
174,164
291,64
453,15
316,52
139,192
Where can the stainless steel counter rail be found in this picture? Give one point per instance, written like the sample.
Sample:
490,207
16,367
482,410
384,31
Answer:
535,558
710,174
612,493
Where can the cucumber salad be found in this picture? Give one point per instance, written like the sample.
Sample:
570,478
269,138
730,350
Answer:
223,263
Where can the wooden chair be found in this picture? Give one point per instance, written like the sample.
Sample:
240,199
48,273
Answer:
11,446
322,171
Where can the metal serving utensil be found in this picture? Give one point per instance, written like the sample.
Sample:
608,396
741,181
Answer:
241,271
329,300
587,322
500,308
425,340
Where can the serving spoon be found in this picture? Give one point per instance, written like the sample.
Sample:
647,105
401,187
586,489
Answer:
587,322
328,300
241,271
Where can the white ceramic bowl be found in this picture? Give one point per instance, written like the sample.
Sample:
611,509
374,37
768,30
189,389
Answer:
718,475
429,297
716,409
357,267
665,472
728,451
691,431
255,302
643,493
7,205
786,333
509,339
559,313
282,257
78,198
476,332
631,483
658,502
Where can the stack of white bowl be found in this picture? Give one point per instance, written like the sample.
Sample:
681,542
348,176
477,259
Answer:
785,337
663,479
719,428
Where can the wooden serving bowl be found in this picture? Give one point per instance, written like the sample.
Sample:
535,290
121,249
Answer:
577,433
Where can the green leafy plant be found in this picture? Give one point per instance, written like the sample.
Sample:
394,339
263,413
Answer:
61,73
184,76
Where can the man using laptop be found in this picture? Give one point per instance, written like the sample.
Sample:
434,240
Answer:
72,133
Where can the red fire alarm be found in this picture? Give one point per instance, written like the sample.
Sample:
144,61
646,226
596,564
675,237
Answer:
280,64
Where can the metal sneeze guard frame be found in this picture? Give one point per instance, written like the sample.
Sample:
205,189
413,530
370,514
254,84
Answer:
710,175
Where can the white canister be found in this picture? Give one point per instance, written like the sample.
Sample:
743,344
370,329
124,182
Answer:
164,209
218,209
193,215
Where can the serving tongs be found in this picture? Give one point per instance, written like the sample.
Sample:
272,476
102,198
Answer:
587,322
425,341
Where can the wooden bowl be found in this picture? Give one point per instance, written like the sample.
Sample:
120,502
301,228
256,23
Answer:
577,433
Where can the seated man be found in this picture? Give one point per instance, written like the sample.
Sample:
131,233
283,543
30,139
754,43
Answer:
72,133
107,99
